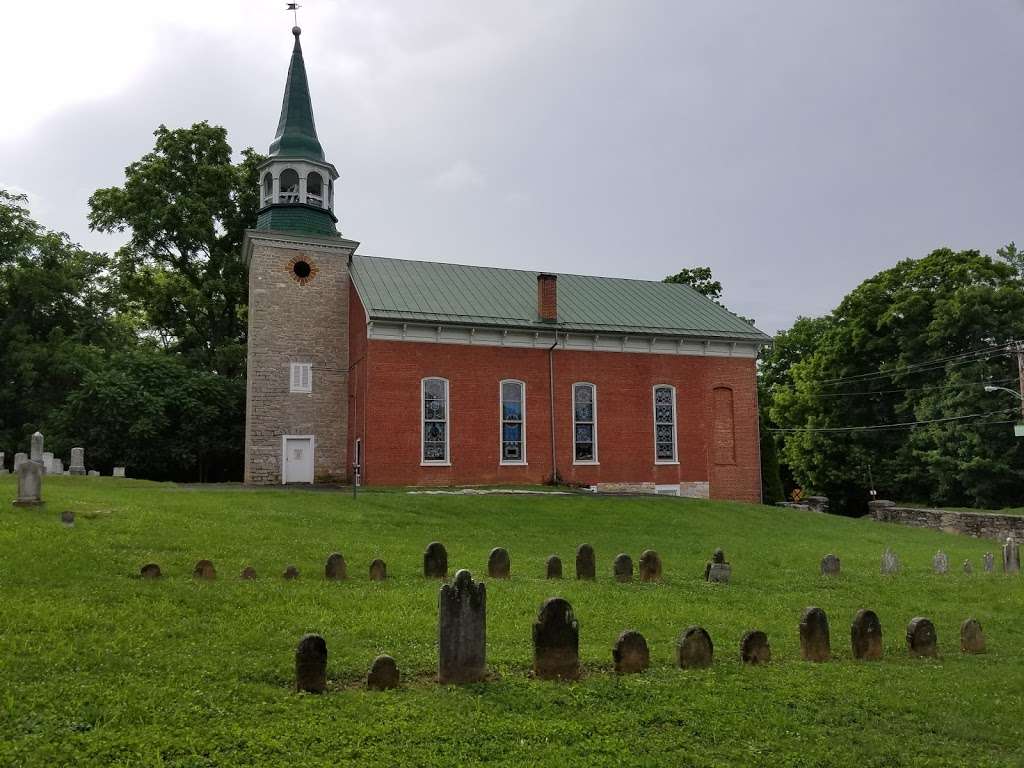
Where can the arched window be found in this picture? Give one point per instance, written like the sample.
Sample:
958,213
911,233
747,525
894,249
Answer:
584,423
289,186
665,424
315,189
434,400
513,422
268,188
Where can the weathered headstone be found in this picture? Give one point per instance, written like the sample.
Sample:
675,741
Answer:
119,472
47,463
248,573
586,564
378,570
94,473
968,568
290,573
921,639
622,568
988,562
630,653
718,571
30,484
2,458
694,648
36,448
435,561
972,639
556,641
68,518
311,664
940,563
1011,556
866,636
56,467
77,461
19,459
650,565
890,563
462,630
754,648
150,571
204,570
830,565
499,564
553,567
335,568
814,636
383,674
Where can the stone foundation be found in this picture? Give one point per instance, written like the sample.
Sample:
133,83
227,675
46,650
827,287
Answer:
977,524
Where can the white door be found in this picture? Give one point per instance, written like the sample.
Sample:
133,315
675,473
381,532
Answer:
298,460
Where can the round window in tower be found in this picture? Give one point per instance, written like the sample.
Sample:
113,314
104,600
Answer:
302,270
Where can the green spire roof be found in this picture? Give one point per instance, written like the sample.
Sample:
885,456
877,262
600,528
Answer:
296,132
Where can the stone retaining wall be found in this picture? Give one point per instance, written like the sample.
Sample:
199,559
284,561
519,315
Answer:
979,525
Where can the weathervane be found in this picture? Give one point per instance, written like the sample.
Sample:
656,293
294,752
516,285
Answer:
294,8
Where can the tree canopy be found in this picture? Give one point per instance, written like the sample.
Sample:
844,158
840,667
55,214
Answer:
698,278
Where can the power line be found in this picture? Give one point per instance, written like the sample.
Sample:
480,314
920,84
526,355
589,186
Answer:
965,384
923,367
900,425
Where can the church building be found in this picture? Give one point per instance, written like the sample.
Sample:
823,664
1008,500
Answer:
419,373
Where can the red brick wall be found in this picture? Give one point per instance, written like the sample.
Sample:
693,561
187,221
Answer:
386,383
547,297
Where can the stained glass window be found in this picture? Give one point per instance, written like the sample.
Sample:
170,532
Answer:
664,423
584,422
513,421
435,420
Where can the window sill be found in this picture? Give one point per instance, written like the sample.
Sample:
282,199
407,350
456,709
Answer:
300,391
666,463
435,463
586,463
512,464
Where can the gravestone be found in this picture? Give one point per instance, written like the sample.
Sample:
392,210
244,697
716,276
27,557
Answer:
556,641
921,639
30,484
119,472
553,567
248,573
204,570
68,518
499,564
335,568
754,648
94,473
586,563
940,563
630,653
47,463
622,568
435,561
694,648
866,636
290,573
814,637
378,570
383,674
77,461
36,449
311,664
718,571
150,571
972,639
1011,556
890,563
19,459
462,630
830,565
56,467
988,562
2,464
650,565
968,568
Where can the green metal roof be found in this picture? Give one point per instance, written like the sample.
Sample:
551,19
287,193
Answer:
296,132
454,294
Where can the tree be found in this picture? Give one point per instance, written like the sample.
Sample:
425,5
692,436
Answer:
698,278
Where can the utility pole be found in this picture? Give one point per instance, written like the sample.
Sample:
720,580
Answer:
1020,371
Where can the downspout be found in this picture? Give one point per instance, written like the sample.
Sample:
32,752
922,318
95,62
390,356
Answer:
551,408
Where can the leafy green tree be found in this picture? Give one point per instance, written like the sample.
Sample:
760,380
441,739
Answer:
698,278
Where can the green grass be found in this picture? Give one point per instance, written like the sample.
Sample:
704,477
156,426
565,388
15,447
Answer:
98,667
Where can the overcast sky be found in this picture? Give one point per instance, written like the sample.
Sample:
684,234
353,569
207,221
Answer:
796,148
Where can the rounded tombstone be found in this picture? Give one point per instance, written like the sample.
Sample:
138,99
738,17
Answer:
556,641
204,570
68,518
335,568
248,573
814,637
383,674
972,639
694,649
866,636
921,637
830,565
754,648
630,653
650,565
150,571
553,567
586,564
968,568
622,568
378,570
435,561
290,573
499,564
311,664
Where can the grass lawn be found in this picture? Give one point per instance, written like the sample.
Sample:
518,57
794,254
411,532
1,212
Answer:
98,667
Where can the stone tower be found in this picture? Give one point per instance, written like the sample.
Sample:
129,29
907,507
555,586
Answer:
297,379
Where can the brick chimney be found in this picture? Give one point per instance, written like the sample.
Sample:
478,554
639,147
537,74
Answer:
547,297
